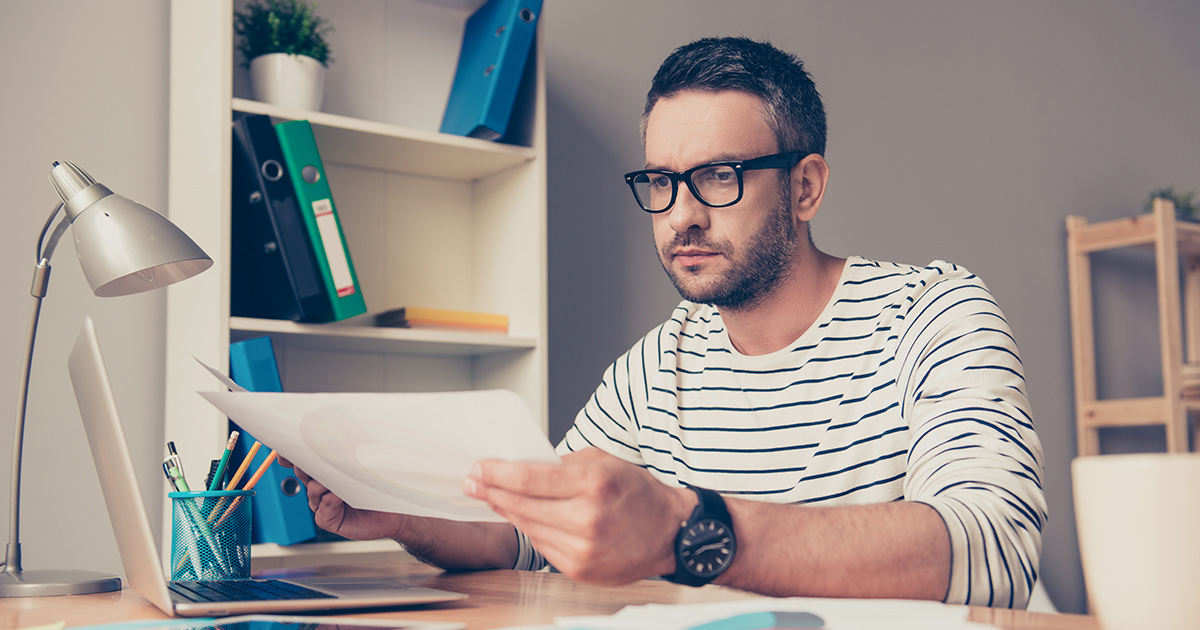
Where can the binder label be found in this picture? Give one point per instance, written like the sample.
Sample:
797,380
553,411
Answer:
331,240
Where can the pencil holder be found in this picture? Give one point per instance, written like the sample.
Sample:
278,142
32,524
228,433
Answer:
210,535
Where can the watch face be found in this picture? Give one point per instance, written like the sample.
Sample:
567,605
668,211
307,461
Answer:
707,547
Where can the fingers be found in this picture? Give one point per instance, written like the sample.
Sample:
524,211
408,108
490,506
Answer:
316,491
545,481
318,494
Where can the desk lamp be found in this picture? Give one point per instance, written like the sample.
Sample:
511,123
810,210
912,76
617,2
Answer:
124,248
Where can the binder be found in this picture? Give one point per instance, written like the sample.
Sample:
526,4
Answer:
273,273
320,218
280,514
497,41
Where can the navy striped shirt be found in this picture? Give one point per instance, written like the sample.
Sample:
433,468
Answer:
907,387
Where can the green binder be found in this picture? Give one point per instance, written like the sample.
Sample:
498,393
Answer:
320,218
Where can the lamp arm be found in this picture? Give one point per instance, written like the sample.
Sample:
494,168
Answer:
46,250
41,281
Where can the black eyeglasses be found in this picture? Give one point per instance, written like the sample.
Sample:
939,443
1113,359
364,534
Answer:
715,185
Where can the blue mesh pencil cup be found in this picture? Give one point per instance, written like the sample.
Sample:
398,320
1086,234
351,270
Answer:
210,535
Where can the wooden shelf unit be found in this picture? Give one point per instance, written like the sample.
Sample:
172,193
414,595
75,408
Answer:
1171,240
431,220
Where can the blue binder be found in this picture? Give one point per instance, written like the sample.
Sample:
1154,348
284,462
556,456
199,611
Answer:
496,43
281,513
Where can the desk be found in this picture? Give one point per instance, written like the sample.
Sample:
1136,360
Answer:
497,599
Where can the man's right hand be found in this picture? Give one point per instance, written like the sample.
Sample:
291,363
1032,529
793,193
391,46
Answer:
334,515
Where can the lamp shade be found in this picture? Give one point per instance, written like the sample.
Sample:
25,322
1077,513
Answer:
123,246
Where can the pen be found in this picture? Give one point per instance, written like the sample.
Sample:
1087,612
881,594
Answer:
170,477
174,470
216,480
178,464
193,553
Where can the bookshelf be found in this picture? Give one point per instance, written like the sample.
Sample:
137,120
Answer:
430,219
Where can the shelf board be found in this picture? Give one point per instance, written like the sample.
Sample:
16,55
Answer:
1135,231
370,144
358,338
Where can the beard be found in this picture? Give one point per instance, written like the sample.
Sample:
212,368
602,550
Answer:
754,274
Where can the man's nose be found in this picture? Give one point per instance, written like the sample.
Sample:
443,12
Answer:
688,212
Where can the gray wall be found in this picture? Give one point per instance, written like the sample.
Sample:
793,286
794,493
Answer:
960,131
86,82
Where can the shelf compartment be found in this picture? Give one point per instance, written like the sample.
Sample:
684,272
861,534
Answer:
376,145
357,338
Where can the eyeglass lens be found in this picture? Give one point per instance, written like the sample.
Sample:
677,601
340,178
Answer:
716,185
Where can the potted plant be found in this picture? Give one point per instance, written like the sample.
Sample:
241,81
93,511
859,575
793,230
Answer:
1184,207
283,45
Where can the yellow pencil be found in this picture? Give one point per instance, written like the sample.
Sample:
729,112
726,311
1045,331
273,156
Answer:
249,485
237,476
261,470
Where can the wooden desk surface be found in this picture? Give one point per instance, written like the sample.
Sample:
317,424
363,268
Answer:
497,599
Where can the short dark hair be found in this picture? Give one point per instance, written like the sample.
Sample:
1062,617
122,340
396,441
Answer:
791,105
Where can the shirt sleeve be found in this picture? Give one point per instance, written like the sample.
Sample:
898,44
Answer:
974,457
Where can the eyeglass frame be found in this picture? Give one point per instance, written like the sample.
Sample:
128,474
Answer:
787,159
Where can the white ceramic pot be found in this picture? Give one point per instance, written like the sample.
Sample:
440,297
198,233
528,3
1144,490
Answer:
293,81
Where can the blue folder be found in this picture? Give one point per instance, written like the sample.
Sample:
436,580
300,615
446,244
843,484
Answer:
280,513
497,41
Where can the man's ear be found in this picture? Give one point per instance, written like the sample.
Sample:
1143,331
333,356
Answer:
809,177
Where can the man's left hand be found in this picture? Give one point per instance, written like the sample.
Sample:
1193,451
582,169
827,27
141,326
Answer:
596,518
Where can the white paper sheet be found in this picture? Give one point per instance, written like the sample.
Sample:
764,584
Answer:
838,614
393,452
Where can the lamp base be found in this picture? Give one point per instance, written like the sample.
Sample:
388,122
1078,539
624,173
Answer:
54,582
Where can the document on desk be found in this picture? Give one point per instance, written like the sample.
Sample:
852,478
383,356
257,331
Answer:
392,452
747,614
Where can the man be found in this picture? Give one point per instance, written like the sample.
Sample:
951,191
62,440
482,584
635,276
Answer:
803,424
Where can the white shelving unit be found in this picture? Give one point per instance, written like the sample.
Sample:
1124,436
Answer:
430,219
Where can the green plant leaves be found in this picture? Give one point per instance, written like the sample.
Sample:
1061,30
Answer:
281,26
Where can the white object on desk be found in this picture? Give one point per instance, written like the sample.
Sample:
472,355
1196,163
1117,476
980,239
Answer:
838,614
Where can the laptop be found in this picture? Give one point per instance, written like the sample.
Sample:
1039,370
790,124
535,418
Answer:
139,551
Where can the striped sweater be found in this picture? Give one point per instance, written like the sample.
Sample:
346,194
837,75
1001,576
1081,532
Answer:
907,387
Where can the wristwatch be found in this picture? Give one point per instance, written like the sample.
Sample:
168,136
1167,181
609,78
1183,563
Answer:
705,545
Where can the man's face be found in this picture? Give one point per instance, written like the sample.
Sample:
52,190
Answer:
730,257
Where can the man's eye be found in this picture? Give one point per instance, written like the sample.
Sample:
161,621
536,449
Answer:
717,175
660,181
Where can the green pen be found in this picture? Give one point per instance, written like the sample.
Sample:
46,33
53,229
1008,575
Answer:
175,472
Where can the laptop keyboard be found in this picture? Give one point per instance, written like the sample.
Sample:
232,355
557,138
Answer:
241,591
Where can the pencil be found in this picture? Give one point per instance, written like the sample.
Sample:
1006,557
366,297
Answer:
237,476
220,473
262,469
